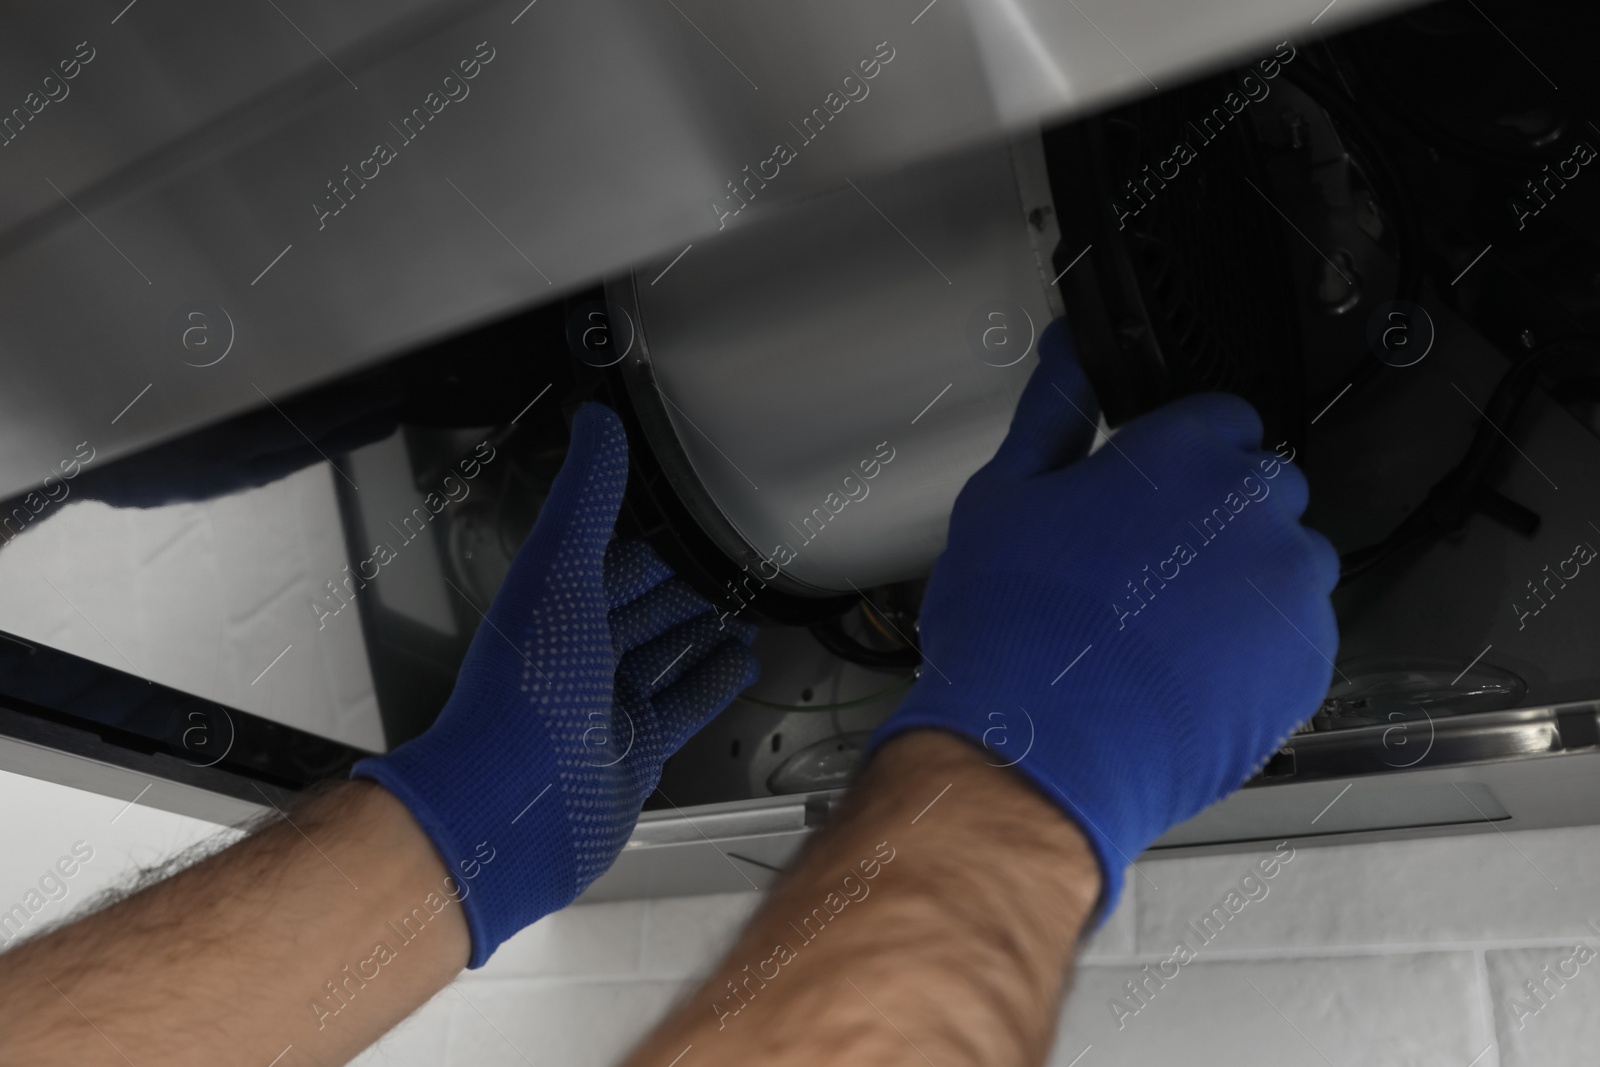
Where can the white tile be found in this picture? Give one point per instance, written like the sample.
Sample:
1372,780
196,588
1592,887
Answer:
173,596
1421,1010
43,823
422,1040
1476,887
54,581
1558,1023
1172,894
686,936
585,1024
203,597
590,940
255,538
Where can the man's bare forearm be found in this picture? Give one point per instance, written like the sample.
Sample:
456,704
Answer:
934,920
306,941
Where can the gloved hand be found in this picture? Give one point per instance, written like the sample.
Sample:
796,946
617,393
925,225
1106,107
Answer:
592,666
1148,623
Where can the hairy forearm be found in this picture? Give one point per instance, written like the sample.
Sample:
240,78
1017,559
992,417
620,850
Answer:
267,949
908,933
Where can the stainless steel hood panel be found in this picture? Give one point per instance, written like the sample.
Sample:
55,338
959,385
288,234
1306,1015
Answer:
189,153
1527,769
1044,57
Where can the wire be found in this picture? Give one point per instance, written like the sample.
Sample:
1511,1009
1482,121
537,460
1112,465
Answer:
859,702
1401,109
831,635
1465,489
870,610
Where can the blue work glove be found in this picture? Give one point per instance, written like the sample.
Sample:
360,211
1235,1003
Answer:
1148,624
593,665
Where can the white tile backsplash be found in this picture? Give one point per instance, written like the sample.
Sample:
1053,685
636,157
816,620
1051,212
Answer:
202,597
1405,952
594,941
1417,1009
43,822
1549,1023
684,937
577,1024
1491,886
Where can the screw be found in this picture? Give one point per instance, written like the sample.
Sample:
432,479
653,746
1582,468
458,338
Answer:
1297,129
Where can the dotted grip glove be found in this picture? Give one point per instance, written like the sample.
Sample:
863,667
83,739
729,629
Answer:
593,665
1137,631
